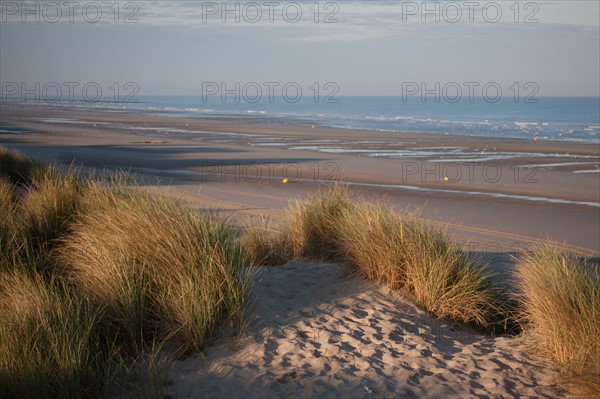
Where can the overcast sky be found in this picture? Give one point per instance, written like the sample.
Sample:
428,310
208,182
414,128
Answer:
367,48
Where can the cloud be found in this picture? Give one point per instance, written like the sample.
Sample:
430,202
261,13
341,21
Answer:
320,21
347,21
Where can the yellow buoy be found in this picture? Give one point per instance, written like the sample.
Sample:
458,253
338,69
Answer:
313,126
284,180
535,139
446,178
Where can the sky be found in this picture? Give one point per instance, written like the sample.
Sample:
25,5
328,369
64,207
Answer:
364,48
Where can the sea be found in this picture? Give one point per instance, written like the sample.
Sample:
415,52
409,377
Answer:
549,118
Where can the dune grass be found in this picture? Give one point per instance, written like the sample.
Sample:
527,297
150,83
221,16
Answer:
372,238
98,277
15,166
450,283
561,311
51,201
7,225
7,193
36,213
398,251
313,223
50,346
159,268
266,246
402,252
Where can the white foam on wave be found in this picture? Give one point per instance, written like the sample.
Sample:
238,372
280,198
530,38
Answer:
270,144
556,164
15,131
60,120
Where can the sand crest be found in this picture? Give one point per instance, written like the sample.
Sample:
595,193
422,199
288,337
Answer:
321,333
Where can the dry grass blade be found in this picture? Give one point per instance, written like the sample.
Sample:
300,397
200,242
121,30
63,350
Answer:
561,311
159,267
312,224
265,246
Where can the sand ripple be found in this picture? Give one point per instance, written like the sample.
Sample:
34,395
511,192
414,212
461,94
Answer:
319,333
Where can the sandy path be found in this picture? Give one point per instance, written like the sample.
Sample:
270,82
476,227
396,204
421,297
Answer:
319,333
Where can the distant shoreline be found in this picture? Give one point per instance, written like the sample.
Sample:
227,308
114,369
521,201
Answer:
562,119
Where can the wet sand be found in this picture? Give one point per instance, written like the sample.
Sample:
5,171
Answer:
497,195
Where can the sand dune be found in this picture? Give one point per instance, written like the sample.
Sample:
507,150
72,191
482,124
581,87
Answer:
321,333
318,333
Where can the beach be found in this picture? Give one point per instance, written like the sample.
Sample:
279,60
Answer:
318,329
497,196
348,199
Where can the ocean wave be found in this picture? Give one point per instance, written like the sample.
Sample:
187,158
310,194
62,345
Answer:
562,120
